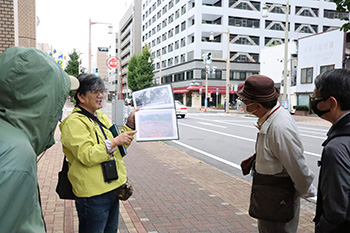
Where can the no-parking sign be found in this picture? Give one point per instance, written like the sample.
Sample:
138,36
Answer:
112,62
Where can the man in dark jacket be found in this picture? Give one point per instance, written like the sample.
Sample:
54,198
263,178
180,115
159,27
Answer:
331,101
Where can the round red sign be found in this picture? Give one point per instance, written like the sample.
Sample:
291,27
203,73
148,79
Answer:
112,62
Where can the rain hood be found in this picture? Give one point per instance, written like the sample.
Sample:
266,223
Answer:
33,90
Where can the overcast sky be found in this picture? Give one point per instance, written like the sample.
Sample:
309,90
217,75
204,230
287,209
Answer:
64,24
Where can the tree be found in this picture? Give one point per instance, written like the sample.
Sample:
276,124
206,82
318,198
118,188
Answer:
343,6
140,74
73,64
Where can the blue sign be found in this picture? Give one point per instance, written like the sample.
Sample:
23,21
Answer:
285,104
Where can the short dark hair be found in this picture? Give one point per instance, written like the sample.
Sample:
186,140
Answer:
335,83
88,82
269,104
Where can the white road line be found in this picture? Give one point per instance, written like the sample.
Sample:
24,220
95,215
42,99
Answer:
213,131
310,153
251,126
238,137
209,155
205,123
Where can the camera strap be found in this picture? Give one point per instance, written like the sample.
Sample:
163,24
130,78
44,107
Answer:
95,119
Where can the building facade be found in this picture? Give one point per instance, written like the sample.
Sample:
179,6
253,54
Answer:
18,24
128,42
179,33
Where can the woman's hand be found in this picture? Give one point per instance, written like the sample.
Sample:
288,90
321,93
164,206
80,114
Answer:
123,139
130,122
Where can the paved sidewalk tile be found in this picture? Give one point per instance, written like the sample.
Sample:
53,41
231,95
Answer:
173,192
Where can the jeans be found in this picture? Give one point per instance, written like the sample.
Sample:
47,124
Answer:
98,214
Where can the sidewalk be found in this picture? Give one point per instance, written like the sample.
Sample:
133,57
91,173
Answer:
173,192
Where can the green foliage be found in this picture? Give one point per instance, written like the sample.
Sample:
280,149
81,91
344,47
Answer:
301,107
140,70
343,6
73,64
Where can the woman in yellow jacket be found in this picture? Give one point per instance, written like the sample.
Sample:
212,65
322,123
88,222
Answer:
88,146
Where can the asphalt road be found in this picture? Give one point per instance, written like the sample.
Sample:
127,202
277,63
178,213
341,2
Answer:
224,140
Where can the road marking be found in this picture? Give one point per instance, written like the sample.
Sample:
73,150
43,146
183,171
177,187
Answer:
205,123
251,126
238,137
209,155
213,131
310,153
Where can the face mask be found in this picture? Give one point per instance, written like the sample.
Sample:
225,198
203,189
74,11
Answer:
244,107
316,110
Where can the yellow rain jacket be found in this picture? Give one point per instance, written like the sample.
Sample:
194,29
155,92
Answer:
85,154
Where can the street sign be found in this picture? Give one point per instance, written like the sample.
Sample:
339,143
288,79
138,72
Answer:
112,62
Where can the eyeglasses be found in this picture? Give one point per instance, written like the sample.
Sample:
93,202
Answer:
97,92
314,98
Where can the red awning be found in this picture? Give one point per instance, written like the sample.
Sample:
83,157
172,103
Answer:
180,90
211,89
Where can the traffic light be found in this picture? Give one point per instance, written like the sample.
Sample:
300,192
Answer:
209,58
207,69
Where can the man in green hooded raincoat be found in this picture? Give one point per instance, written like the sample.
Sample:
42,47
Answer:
33,90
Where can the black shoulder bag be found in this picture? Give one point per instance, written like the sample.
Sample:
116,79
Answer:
64,187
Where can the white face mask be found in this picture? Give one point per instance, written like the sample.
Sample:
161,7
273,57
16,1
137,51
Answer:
244,107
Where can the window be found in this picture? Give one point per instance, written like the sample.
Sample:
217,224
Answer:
163,64
306,75
176,60
159,27
177,14
179,77
183,58
183,42
171,4
159,14
177,45
158,53
153,43
189,75
170,33
325,68
164,37
159,40
334,14
170,47
171,18
183,9
164,23
164,10
163,50
183,25
244,22
170,61
177,29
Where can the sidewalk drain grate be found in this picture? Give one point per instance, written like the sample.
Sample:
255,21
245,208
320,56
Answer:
144,219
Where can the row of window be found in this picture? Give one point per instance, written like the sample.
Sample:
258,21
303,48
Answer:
235,75
306,75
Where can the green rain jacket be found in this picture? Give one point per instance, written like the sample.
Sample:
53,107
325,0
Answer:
33,89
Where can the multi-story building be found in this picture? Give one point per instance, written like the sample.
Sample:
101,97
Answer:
18,22
179,33
101,65
129,41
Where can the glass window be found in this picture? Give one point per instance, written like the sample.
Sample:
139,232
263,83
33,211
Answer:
325,68
306,75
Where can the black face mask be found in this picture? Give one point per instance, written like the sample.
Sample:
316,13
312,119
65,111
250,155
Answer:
316,110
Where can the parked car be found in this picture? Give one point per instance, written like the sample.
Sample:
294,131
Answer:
181,110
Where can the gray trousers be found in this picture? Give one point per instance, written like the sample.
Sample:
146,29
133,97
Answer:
281,227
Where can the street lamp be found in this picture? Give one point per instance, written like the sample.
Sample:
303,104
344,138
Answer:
285,62
211,37
110,27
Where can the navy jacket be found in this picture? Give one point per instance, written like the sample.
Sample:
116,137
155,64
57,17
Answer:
333,199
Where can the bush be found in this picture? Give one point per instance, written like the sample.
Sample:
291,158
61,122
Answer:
301,107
